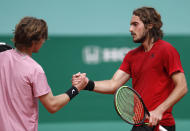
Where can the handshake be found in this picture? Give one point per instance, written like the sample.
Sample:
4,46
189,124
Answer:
81,82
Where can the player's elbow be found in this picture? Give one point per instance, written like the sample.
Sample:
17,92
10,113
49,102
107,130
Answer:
115,85
52,106
185,89
50,102
52,109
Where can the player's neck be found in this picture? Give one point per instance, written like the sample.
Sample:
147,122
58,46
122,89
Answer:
26,51
148,44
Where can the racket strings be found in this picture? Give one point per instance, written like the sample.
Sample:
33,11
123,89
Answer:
138,110
129,106
124,103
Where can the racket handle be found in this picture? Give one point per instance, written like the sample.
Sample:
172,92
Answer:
161,128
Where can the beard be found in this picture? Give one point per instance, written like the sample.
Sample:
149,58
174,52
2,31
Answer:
141,39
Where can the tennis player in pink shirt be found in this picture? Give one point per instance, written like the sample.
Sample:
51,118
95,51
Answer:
23,81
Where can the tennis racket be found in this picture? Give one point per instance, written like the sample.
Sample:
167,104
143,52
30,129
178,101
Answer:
4,47
130,106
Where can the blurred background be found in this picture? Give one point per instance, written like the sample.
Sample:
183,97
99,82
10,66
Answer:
92,36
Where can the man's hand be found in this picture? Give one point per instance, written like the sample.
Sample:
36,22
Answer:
79,80
155,117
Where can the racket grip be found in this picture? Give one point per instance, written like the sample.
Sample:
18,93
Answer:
161,128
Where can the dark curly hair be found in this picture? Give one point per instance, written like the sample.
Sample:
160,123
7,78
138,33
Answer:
29,29
149,15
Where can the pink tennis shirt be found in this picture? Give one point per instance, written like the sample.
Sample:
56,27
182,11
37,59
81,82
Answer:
22,81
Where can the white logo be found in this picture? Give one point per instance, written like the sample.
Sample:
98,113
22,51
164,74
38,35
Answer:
73,91
96,55
91,54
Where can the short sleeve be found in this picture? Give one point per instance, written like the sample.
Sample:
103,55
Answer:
125,66
39,83
172,62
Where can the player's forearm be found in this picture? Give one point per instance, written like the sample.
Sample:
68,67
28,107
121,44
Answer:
59,102
106,86
109,86
54,103
178,93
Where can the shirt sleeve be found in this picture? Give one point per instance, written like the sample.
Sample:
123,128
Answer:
39,83
172,62
125,65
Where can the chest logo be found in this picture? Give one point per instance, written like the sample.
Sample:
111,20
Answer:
152,55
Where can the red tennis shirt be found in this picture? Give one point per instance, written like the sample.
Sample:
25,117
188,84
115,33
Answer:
151,74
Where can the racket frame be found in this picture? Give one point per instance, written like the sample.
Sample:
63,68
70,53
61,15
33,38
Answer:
146,112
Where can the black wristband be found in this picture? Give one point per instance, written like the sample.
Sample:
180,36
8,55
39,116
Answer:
72,92
90,85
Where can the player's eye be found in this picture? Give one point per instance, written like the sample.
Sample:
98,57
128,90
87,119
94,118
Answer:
135,23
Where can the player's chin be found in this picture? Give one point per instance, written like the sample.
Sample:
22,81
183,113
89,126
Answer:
137,40
35,51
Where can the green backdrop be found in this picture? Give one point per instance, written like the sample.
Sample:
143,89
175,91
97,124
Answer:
99,57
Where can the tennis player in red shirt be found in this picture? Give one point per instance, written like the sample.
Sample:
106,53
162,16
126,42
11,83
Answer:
155,68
